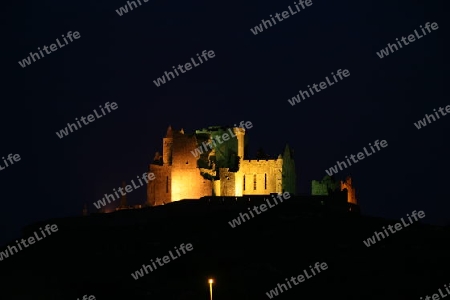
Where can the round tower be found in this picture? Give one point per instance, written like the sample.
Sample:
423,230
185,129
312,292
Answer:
167,147
239,176
240,134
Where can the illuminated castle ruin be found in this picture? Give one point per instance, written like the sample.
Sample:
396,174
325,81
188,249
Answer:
221,169
328,186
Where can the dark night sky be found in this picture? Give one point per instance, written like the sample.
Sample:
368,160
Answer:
250,78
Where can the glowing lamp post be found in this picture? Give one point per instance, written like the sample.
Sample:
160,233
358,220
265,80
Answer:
210,281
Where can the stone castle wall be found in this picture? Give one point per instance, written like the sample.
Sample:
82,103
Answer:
159,190
178,176
268,174
227,182
351,192
328,184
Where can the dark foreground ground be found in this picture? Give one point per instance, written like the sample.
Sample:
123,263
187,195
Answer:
96,255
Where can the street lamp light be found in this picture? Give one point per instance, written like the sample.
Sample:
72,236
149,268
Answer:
210,281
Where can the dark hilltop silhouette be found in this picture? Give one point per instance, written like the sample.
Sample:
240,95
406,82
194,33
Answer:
96,254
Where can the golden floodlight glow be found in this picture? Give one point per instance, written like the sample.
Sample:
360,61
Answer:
210,281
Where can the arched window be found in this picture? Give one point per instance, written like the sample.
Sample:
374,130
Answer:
265,181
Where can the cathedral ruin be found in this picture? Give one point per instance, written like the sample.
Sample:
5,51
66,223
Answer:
222,170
